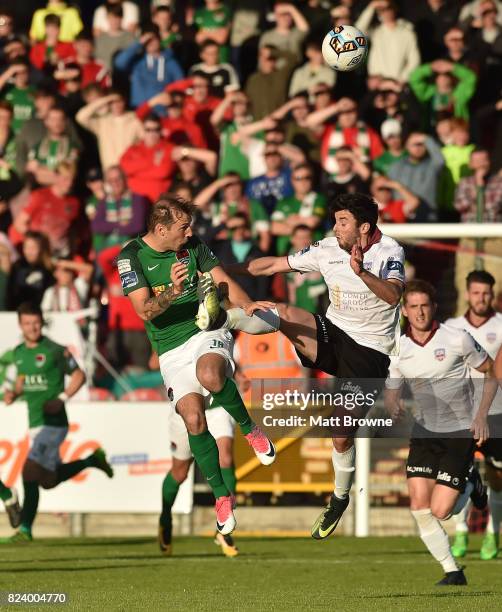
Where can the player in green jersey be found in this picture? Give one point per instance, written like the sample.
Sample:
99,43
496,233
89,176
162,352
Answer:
41,368
160,273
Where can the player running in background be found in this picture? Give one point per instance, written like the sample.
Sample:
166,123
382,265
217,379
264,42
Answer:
434,359
364,272
485,326
41,367
221,426
159,273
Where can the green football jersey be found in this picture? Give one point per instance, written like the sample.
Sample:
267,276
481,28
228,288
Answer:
43,368
141,266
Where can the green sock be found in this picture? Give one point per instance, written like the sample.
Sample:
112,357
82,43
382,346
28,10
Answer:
229,397
170,488
65,471
30,504
229,478
5,492
205,451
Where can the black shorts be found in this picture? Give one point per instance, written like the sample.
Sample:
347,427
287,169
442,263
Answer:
341,356
492,448
445,460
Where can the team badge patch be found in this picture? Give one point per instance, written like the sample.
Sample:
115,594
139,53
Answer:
183,256
305,250
491,337
440,354
395,265
129,279
40,360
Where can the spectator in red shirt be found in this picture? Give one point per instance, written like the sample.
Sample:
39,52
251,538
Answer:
47,54
176,128
127,342
390,209
149,164
50,211
91,69
346,131
199,106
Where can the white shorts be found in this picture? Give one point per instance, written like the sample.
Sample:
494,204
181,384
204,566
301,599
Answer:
45,443
219,423
178,366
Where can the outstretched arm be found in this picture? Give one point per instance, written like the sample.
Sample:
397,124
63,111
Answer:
262,266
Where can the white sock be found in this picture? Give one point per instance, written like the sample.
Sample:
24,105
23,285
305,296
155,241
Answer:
461,518
344,465
434,537
462,499
262,321
495,505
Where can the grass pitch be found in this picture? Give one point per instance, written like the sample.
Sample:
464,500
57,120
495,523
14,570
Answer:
340,573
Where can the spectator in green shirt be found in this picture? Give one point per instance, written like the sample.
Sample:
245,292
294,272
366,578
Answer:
213,23
443,86
15,88
305,207
304,290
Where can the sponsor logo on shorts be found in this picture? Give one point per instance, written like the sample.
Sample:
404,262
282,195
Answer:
351,387
325,336
439,354
491,337
455,481
124,265
418,469
129,279
444,476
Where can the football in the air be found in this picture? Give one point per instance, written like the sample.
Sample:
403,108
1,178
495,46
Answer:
344,48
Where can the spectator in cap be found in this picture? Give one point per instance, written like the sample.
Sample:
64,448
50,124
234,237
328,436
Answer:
71,24
151,69
394,149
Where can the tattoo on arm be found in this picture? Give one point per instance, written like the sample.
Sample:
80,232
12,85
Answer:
157,304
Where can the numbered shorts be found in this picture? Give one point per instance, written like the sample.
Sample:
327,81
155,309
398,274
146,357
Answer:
178,366
45,443
219,423
445,460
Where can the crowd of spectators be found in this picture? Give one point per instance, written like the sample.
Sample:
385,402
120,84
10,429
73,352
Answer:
103,107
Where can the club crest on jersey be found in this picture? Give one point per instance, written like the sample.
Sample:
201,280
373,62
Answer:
491,337
40,360
183,256
440,354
